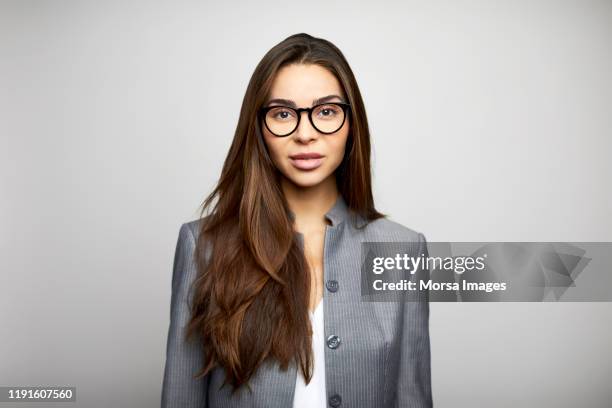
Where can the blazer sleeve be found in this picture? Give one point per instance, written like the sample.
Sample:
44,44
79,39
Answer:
183,359
414,382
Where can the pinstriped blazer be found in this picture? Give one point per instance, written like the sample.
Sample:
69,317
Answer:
380,357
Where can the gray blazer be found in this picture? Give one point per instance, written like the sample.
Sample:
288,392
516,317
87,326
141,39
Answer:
377,354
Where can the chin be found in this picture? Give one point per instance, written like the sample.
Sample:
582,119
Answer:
307,179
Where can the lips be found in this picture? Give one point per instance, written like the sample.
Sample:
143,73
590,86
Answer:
306,161
306,156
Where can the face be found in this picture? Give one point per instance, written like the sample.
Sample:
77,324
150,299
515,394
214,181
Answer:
303,86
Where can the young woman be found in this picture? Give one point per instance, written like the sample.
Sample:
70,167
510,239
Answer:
266,306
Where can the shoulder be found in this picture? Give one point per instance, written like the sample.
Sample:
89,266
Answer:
189,238
191,228
387,230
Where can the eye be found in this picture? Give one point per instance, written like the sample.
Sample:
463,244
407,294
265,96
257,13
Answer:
280,113
328,111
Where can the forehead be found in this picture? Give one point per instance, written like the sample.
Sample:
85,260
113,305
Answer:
304,83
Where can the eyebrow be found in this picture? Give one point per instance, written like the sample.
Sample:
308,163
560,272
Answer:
290,103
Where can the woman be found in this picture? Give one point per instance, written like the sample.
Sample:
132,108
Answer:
266,306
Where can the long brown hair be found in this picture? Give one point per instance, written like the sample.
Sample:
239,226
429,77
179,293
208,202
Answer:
250,298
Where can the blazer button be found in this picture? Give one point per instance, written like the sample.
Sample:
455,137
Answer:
335,401
333,341
332,285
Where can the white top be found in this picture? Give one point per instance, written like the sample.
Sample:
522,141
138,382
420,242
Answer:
312,395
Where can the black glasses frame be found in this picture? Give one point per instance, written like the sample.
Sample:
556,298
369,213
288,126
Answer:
344,106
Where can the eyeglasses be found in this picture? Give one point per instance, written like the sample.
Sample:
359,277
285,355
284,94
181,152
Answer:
326,118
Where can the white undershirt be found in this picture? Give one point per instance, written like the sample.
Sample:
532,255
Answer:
312,395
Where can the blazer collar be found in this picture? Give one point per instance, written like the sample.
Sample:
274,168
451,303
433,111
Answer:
339,212
336,215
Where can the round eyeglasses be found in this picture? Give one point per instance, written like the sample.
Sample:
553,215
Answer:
326,118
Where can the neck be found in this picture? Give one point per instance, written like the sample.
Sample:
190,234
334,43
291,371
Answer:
310,204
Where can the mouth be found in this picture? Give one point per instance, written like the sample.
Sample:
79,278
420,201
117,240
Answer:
306,161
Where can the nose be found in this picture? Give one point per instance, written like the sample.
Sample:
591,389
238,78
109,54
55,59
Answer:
305,132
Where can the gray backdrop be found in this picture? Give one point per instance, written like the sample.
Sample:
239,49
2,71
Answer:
116,117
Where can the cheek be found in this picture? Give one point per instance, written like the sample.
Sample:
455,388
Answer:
338,146
276,147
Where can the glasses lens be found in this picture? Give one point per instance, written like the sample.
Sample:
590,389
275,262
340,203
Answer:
281,121
328,118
